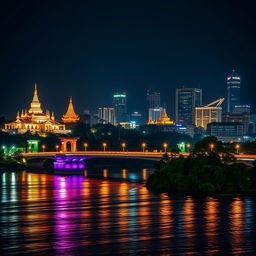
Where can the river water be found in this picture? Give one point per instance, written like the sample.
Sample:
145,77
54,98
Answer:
111,212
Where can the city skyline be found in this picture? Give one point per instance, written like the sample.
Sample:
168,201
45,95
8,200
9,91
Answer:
171,108
132,47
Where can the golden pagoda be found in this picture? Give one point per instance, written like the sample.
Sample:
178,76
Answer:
164,119
70,116
35,120
151,121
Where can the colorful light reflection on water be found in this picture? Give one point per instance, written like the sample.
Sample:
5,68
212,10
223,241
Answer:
75,215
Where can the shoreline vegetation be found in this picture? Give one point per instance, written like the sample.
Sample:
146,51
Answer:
12,162
202,174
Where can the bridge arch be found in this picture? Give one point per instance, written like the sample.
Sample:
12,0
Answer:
68,144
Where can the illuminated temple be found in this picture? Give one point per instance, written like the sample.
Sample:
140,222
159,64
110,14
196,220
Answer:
35,120
163,120
70,116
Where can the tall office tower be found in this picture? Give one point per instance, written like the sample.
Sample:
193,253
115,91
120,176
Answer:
154,114
209,113
186,101
154,109
153,99
120,106
233,91
106,116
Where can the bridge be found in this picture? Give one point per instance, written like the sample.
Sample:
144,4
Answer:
76,160
120,154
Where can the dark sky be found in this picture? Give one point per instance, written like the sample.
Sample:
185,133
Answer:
91,49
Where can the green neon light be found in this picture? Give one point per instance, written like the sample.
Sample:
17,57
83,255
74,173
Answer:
119,95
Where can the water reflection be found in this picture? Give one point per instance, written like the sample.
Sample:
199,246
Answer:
74,215
237,225
211,211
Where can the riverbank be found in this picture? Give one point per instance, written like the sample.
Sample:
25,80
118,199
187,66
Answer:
202,174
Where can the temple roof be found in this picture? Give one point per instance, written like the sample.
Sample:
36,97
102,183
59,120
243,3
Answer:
70,116
164,119
35,105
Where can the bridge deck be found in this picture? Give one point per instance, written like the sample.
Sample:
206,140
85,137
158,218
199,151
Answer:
130,154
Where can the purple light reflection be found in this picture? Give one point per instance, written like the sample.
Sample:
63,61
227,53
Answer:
69,163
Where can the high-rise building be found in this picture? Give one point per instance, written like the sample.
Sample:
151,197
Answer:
233,91
209,113
154,114
120,106
153,98
154,109
186,101
106,115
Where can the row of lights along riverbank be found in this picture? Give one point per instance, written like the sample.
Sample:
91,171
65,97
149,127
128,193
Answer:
124,145
143,145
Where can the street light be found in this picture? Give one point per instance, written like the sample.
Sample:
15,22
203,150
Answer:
123,146
211,146
165,145
237,148
104,144
57,148
143,146
85,146
43,147
188,147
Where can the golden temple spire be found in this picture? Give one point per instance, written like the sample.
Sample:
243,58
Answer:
35,106
18,115
70,116
164,119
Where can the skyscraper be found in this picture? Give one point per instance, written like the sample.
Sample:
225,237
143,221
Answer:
153,99
106,116
186,101
233,91
154,114
154,103
120,106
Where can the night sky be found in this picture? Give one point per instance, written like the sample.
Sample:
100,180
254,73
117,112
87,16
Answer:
91,49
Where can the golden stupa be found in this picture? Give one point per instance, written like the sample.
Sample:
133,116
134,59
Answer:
35,120
164,119
70,116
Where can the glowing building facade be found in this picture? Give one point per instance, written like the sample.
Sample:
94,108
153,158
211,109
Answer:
35,120
208,114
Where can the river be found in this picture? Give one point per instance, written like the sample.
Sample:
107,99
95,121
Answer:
111,212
